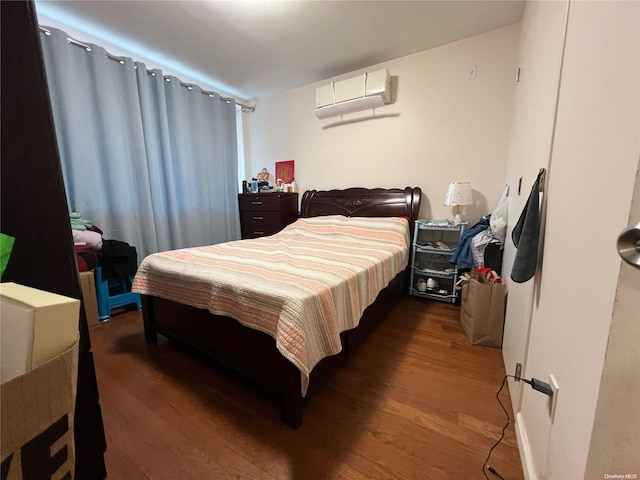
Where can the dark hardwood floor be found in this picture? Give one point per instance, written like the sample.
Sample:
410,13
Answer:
416,401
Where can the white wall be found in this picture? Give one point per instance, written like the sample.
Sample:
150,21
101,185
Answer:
440,127
536,94
593,164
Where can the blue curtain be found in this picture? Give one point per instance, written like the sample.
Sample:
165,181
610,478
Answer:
149,161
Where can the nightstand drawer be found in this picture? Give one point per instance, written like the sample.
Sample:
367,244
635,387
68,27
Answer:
258,217
255,231
264,201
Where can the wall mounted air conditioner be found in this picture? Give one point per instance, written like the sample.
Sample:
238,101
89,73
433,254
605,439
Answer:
369,90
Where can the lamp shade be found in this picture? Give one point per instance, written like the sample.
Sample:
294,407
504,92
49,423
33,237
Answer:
459,193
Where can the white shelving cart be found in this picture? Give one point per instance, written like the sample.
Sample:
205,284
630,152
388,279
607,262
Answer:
432,275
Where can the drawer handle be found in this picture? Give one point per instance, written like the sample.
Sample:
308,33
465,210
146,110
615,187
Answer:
256,203
258,218
258,233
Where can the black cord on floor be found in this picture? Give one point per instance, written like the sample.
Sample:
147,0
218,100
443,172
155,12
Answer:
493,470
485,465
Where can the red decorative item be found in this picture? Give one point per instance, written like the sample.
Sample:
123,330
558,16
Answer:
285,171
490,275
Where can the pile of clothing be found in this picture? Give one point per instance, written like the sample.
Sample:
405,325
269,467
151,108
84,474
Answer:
470,253
490,230
115,257
87,241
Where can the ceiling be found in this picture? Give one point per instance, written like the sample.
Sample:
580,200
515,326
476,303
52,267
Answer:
252,49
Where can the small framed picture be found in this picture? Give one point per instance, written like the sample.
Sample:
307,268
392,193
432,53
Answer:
285,171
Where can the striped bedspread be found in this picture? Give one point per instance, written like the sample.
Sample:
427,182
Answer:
303,286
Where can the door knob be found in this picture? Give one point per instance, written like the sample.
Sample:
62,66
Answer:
629,245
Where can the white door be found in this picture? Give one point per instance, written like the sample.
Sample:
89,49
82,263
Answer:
615,441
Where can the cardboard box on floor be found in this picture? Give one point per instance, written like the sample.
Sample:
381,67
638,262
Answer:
89,296
37,404
482,311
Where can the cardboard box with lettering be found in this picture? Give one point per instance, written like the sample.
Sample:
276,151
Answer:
88,286
482,310
39,341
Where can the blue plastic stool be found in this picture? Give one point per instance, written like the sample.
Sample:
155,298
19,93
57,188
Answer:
113,293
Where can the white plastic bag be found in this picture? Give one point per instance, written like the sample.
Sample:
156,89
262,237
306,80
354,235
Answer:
499,216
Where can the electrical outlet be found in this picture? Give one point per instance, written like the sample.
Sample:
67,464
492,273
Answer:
518,373
553,399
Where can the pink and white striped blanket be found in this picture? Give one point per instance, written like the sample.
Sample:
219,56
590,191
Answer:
303,286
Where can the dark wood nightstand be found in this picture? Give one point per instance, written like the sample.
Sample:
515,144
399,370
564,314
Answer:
263,214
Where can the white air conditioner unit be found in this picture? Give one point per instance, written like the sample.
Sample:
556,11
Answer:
369,90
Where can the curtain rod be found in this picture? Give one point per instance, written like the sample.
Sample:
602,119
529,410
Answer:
190,86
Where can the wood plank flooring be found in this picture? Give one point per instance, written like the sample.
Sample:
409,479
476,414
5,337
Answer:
416,401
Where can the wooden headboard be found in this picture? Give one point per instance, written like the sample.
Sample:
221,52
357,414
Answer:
363,202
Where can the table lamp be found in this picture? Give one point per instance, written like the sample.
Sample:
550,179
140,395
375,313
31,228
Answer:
458,194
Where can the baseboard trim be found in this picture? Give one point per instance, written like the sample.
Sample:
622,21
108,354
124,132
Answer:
525,451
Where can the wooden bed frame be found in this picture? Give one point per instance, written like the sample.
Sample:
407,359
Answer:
253,353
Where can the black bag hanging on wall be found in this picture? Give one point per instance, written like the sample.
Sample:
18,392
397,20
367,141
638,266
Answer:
525,235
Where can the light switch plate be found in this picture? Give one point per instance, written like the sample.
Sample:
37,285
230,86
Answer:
472,72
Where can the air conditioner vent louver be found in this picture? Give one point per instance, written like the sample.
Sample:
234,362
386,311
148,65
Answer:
366,91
